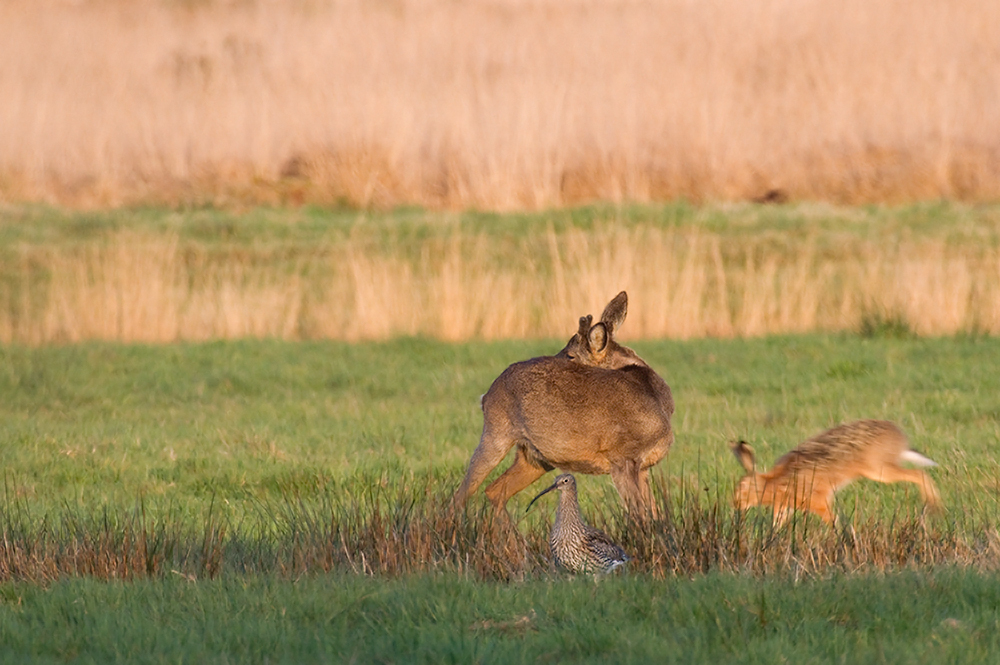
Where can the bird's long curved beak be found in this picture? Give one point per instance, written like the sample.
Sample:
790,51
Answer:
539,495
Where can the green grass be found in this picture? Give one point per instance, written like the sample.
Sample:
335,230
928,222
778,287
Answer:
946,616
102,424
223,479
303,229
256,456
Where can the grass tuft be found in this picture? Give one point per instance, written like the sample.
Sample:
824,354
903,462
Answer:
890,325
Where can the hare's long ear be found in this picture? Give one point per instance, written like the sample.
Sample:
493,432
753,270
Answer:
597,340
744,453
614,314
584,328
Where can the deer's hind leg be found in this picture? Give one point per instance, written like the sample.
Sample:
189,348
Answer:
626,479
493,447
646,491
524,471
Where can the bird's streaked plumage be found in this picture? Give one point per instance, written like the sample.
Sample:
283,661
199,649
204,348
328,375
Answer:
576,546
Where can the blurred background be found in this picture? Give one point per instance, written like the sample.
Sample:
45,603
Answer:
199,169
498,104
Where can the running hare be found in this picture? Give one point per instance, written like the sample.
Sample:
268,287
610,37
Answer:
807,477
595,408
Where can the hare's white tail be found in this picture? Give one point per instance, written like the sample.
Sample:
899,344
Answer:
913,457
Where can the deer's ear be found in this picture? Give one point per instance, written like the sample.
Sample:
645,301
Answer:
614,314
744,453
597,339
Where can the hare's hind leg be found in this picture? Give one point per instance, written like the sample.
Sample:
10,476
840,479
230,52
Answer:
891,473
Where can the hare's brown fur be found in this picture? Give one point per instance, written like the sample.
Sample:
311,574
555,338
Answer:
808,477
595,407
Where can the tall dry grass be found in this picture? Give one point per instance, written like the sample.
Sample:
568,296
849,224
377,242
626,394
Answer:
410,529
498,104
681,284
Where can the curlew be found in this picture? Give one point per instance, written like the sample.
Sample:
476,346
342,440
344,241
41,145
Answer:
577,546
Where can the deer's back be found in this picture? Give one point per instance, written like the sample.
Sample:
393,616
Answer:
573,413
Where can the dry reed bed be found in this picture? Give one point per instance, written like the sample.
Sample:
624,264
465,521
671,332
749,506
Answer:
681,284
498,104
411,530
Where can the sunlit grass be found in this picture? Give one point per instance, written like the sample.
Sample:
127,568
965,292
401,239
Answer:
945,615
289,502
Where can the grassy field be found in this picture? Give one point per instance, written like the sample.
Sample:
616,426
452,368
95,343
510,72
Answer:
273,457
105,424
279,502
269,500
937,617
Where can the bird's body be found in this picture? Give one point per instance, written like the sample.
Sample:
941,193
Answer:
576,546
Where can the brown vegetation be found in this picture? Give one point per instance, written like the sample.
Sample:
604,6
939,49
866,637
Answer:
498,104
682,283
413,530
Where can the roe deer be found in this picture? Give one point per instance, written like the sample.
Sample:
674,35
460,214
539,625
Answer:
595,407
807,477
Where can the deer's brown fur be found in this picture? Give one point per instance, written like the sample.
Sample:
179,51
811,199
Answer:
595,407
808,477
